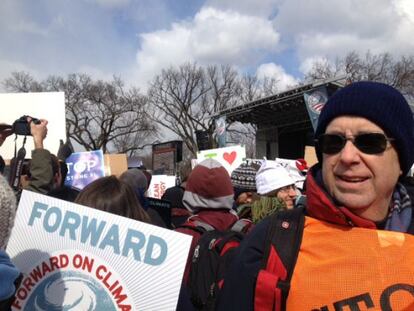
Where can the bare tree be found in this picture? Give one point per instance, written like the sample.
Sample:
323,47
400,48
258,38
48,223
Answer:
99,114
323,69
23,82
252,88
185,99
375,67
109,114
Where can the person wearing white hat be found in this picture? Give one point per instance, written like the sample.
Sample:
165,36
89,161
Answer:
273,180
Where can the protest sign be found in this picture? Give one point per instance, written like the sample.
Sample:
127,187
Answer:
80,258
84,168
315,100
160,183
310,156
115,164
229,157
45,105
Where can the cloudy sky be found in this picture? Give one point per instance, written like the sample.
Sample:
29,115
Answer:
135,39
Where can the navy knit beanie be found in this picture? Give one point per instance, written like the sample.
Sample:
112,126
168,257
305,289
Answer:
382,105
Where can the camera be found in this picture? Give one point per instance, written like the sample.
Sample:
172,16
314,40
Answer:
22,127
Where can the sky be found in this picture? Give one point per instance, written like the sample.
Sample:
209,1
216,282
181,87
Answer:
136,39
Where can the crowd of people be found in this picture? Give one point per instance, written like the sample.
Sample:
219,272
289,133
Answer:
356,244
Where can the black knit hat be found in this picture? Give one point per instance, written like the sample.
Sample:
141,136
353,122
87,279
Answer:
382,105
175,196
243,178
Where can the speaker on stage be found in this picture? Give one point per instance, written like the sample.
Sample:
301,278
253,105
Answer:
202,140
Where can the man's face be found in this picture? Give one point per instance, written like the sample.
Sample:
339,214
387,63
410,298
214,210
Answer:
362,182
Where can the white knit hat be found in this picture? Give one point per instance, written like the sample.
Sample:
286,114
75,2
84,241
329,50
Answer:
272,176
7,211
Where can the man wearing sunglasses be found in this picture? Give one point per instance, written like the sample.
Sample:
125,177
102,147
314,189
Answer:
357,247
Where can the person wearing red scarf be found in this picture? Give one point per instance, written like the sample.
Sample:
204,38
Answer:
357,247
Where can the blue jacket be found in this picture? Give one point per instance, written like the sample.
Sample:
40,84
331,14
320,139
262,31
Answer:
8,275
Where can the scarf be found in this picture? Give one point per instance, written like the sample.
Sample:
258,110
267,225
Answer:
400,212
266,206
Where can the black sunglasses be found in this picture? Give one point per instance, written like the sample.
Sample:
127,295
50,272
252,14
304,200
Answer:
369,143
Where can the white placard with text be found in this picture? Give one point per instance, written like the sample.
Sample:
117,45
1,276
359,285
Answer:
160,183
45,105
85,259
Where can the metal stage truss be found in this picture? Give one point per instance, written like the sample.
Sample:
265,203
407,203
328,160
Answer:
285,110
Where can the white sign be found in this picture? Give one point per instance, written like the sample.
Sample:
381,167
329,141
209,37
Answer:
49,106
80,258
229,157
160,183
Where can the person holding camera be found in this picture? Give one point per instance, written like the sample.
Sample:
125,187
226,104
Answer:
41,171
39,176
44,173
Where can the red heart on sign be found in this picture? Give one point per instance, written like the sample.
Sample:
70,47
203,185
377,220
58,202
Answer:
230,157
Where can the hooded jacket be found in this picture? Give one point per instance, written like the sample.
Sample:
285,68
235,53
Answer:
209,196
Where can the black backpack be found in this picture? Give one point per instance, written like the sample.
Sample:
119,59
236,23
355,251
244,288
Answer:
211,258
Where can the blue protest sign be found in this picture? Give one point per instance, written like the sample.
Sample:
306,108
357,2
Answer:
84,167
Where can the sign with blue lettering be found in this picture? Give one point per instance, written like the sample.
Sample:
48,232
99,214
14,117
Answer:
84,168
80,258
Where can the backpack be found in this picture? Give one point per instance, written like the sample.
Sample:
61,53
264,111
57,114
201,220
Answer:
211,258
283,239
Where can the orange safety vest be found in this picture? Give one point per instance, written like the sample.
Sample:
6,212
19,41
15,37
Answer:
341,268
